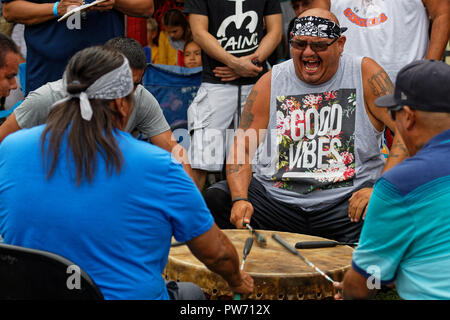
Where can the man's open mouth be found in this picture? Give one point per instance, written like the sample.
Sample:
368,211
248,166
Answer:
311,65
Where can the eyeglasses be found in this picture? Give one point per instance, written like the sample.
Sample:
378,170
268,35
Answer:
315,46
392,111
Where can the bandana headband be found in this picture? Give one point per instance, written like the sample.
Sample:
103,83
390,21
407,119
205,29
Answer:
117,83
317,27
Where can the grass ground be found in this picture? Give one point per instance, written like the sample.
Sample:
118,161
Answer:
387,294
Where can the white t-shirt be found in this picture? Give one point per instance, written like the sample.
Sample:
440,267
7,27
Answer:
392,32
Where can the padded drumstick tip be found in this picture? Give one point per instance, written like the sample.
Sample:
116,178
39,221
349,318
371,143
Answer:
260,239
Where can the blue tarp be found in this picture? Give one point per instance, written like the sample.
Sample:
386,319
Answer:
174,87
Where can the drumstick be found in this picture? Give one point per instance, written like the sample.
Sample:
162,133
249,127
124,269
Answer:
293,251
260,240
247,247
322,244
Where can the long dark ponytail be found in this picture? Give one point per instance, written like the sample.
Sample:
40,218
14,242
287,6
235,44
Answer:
85,139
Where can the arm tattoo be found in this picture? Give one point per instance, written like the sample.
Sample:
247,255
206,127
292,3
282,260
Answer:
398,149
247,115
233,168
381,84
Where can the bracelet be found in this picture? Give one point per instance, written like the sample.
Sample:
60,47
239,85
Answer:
55,9
239,199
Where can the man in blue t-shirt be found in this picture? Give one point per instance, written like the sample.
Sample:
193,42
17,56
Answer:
406,235
50,44
114,218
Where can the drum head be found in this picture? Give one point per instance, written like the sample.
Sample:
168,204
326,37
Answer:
277,273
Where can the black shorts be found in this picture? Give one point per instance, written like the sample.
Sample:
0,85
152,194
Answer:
270,214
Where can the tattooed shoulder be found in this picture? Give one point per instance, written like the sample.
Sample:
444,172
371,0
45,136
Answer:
381,84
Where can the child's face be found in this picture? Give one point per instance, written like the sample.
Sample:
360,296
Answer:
175,33
192,55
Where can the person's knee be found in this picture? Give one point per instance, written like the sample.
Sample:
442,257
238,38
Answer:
217,197
190,291
218,201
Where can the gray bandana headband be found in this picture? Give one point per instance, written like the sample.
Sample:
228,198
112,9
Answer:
317,27
115,84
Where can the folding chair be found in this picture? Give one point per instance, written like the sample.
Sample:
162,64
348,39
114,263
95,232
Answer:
175,88
29,274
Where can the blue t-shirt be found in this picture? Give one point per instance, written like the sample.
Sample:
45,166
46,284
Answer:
51,44
118,229
406,233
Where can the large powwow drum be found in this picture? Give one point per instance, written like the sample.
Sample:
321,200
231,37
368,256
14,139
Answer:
277,273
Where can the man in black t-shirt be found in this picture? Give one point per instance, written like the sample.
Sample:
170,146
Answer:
234,50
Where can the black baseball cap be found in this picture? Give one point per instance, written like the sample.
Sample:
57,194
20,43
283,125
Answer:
423,85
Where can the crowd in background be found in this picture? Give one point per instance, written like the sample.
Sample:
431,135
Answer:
165,35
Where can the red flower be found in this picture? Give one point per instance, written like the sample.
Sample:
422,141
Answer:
349,173
330,95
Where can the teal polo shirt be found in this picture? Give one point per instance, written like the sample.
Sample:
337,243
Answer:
406,234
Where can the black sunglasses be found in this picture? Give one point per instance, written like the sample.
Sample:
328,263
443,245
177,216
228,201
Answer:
393,110
315,46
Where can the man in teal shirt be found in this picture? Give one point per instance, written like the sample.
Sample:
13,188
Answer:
406,235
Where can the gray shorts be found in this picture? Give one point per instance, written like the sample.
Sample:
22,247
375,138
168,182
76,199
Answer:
210,123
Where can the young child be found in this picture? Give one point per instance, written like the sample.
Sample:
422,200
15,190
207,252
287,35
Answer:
192,54
151,50
173,38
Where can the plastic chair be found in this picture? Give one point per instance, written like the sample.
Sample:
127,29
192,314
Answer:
175,88
29,274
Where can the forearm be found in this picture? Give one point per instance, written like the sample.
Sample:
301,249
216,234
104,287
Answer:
238,178
238,167
28,13
271,40
216,251
252,130
267,46
135,8
440,34
226,263
212,47
397,153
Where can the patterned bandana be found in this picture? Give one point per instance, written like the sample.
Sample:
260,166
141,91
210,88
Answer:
117,83
317,27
